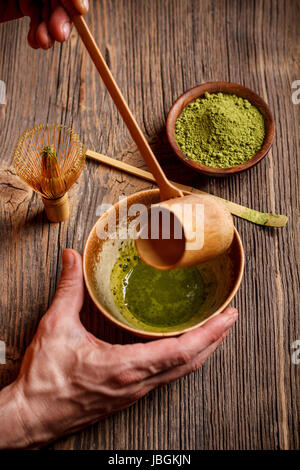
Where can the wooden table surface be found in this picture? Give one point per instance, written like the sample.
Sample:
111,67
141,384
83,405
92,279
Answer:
246,396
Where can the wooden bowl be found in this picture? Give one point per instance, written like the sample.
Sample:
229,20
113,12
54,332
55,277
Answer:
223,275
229,88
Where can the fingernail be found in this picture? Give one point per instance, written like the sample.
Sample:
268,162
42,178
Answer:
68,259
231,319
85,4
66,30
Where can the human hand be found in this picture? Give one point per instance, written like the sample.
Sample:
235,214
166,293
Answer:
69,378
49,21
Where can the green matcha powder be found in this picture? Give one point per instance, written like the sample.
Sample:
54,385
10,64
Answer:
220,130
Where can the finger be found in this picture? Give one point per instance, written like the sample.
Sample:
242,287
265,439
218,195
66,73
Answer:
42,36
180,371
59,24
27,7
70,292
46,10
158,356
35,20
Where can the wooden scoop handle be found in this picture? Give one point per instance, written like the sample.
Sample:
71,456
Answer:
167,190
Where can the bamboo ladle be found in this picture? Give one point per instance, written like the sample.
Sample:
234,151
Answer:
207,226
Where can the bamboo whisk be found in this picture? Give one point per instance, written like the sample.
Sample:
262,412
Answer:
50,158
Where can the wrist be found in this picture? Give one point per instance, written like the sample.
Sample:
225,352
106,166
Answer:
20,425
13,432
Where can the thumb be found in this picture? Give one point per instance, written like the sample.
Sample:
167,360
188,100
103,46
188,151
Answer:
76,6
82,6
70,291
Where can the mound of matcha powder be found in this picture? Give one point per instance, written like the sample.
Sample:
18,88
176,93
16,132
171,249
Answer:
220,130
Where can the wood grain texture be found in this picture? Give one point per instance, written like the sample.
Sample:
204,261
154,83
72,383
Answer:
246,396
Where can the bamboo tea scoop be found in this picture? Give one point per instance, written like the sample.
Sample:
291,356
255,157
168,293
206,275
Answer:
265,219
181,230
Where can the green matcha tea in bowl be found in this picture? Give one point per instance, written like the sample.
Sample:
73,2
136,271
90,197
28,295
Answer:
143,300
220,128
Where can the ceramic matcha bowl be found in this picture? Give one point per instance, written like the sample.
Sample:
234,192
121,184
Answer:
221,277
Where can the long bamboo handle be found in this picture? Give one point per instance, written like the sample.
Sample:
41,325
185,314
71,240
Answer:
167,190
260,218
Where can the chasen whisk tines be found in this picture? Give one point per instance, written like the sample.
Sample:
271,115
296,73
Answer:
50,158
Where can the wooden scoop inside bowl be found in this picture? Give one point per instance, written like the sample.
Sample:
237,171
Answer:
195,245
197,228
